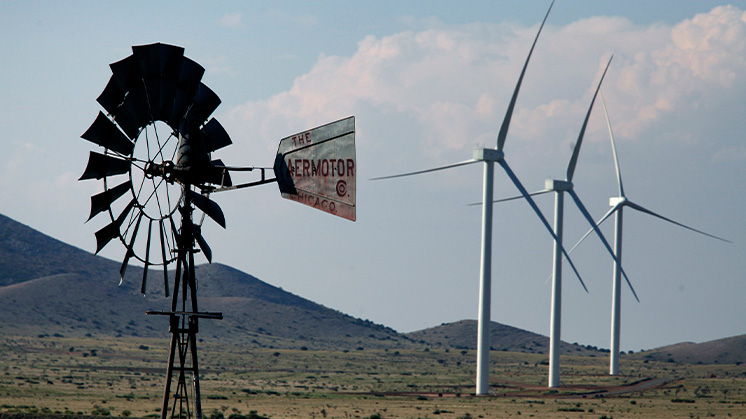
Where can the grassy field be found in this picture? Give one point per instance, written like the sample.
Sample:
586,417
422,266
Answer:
124,377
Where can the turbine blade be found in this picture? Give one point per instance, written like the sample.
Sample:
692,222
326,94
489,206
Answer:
155,60
189,78
106,134
112,97
147,259
631,288
647,211
544,221
125,98
159,65
513,198
129,253
209,207
594,227
215,136
613,149
102,201
205,103
190,75
576,150
598,223
202,243
135,111
124,72
110,231
509,114
162,229
102,165
463,163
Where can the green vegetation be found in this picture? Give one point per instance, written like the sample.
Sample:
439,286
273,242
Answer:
117,377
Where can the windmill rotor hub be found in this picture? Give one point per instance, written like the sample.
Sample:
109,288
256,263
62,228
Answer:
164,170
152,179
617,200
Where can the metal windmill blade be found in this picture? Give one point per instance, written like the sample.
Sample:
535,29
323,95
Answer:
157,112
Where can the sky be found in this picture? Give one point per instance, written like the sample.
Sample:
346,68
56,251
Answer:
427,82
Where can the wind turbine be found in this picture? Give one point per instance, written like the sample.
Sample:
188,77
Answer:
559,187
489,157
617,206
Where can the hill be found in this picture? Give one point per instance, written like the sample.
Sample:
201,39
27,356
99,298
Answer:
49,287
27,254
463,335
730,350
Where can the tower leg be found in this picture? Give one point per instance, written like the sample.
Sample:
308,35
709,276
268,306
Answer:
174,325
485,285
616,302
184,326
555,324
195,369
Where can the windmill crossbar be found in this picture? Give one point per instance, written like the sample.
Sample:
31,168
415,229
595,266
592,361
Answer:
263,180
206,315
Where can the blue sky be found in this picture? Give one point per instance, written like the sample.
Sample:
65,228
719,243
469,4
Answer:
427,82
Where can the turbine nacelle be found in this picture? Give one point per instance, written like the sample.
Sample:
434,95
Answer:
488,154
617,200
557,185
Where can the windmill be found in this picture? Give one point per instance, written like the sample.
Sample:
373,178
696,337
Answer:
617,206
489,157
158,140
559,187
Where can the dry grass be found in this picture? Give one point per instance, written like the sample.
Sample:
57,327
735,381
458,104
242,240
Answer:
125,377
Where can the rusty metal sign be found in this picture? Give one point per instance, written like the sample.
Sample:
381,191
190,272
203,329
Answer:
318,168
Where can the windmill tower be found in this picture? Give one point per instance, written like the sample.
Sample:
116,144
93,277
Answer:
158,140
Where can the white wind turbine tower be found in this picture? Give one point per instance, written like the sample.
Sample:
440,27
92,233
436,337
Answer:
559,187
617,206
491,156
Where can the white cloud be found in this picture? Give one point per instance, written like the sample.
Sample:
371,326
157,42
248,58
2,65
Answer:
231,20
219,64
732,154
455,82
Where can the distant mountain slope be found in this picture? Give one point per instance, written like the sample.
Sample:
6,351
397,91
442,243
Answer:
28,254
463,334
721,351
49,287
